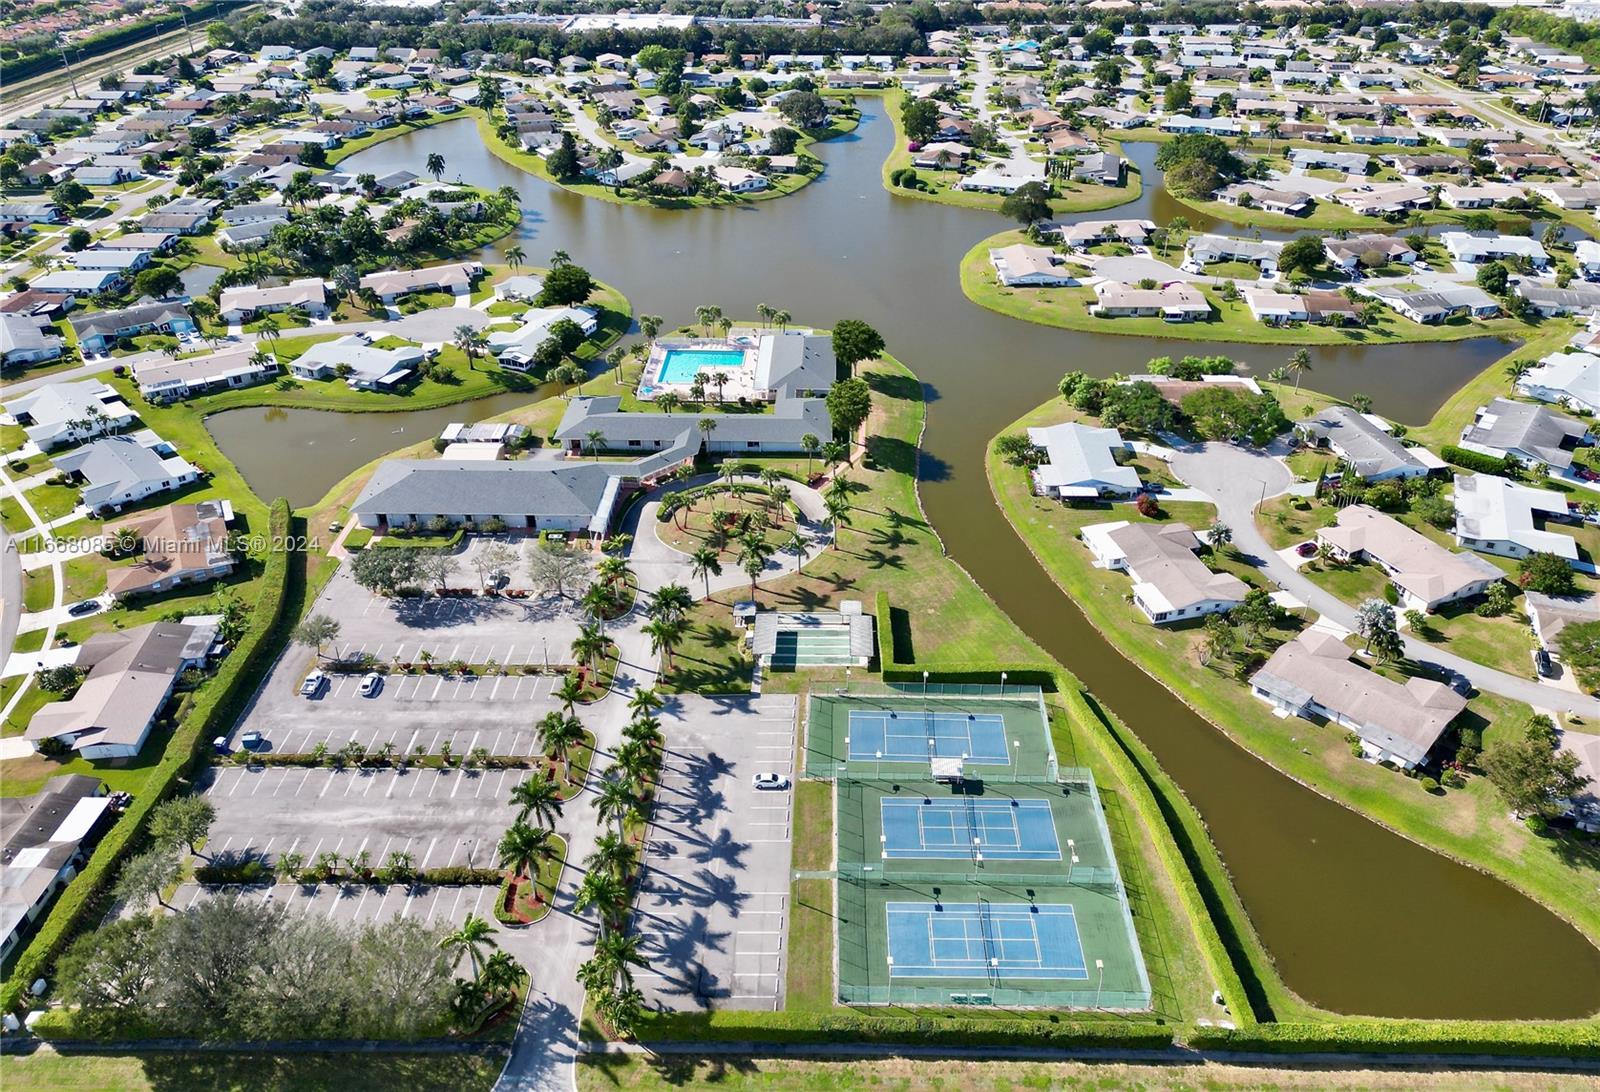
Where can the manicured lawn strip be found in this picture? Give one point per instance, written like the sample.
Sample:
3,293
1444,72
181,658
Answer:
813,826
160,1071
1468,824
1449,419
51,502
38,589
1067,308
809,985
34,700
1079,197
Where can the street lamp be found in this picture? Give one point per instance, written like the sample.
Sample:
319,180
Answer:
1100,967
1003,684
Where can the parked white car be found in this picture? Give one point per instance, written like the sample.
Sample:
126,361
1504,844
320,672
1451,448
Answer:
371,683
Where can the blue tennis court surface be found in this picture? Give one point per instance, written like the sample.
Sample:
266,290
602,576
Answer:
909,735
1001,830
969,940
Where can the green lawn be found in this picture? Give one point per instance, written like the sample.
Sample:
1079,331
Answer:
1469,825
1353,584
48,1071
1230,320
51,502
1239,271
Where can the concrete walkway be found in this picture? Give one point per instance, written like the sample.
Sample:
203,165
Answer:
1238,480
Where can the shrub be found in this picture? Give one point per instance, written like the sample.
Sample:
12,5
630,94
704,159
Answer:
1476,460
1147,506
1429,785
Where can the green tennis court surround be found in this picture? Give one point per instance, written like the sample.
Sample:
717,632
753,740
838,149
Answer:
993,885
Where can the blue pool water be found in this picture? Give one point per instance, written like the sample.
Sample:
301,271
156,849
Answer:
680,365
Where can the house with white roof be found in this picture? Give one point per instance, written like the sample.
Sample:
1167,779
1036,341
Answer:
1175,302
174,380
1498,516
1426,574
1023,266
120,470
455,277
1567,379
1081,463
1170,584
1466,248
24,341
1276,308
69,413
247,301
362,365
515,349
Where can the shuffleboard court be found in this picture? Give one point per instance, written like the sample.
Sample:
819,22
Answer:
999,940
908,735
948,829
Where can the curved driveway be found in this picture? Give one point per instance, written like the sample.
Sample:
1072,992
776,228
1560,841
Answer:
1238,480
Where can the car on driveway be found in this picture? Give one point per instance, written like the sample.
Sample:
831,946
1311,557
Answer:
770,781
371,683
1306,549
313,684
88,606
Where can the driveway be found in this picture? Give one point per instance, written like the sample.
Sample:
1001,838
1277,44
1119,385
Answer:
1238,480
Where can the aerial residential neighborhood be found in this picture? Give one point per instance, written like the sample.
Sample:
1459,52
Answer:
800,545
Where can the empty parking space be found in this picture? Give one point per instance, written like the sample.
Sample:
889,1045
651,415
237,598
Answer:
360,903
712,911
439,819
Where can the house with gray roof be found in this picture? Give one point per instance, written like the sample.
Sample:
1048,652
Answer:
44,839
120,470
570,495
24,341
99,331
794,362
782,430
132,673
1365,442
1531,434
1398,723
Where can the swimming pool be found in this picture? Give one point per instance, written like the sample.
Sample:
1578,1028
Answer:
681,365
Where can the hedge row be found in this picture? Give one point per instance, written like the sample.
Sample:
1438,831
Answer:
1058,680
1475,460
1575,1040
852,1027
214,706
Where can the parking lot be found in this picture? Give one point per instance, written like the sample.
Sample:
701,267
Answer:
360,903
441,819
712,911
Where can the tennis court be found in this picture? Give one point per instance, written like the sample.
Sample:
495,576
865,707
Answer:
959,828
965,940
910,735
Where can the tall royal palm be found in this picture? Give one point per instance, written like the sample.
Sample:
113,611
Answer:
607,896
644,701
614,854
524,849
557,735
705,564
472,938
538,797
670,601
618,953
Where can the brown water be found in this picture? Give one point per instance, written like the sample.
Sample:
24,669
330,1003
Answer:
1357,918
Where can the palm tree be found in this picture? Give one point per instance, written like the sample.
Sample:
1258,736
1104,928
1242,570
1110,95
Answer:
664,634
515,256
615,800
668,401
838,507
613,854
435,165
705,564
765,312
524,850
810,445
598,601
635,764
702,317
1299,364
670,601
559,258
595,441
557,735
645,701
614,570
474,936
781,319
650,326
469,340
753,554
539,797
644,729
708,425
501,974
616,953
570,693
796,545
780,500
588,646
607,895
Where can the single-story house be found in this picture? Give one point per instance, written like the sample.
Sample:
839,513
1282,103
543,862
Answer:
45,838
364,366
79,282
69,413
1533,435
182,544
1276,308
1469,249
121,470
175,380
99,331
1499,516
24,341
1438,304
1081,462
1567,379
1366,442
1024,266
456,277
132,673
1398,723
1426,574
1176,302
247,301
1577,298
1371,250
1170,584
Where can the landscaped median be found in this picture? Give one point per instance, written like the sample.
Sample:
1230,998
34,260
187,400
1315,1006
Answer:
1230,320
215,706
1469,824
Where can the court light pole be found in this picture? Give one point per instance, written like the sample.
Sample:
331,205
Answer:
1003,684
1100,967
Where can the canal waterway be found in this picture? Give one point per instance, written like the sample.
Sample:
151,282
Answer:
1357,918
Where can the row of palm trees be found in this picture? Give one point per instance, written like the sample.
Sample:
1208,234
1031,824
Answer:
623,800
495,974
